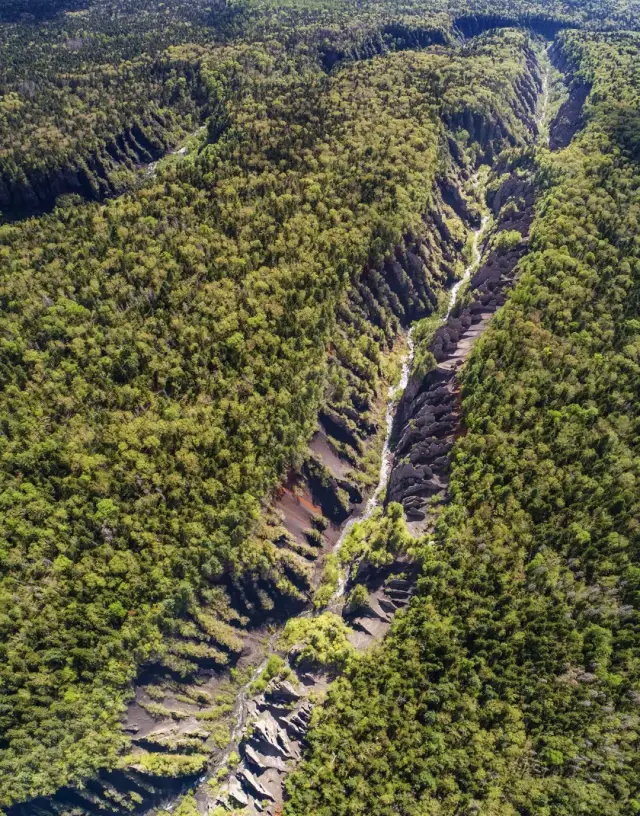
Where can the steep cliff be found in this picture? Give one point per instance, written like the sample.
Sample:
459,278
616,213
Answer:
428,419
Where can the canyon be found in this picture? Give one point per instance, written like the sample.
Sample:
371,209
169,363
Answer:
410,431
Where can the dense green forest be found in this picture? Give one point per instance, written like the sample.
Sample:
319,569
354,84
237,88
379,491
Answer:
216,220
91,92
162,365
511,684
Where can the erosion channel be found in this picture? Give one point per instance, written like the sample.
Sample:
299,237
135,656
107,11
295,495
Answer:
422,423
269,727
268,701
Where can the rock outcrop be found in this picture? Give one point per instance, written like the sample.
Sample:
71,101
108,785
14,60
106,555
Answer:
280,717
570,118
428,420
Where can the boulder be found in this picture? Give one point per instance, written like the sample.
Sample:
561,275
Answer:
262,762
267,733
253,785
283,691
237,796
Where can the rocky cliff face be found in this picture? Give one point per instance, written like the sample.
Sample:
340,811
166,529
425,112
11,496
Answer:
94,177
108,159
281,715
494,133
342,465
428,420
175,720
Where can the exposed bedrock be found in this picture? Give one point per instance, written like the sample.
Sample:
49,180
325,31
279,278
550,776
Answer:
570,118
398,290
400,36
281,715
428,420
385,297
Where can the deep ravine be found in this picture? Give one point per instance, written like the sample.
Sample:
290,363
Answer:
268,728
216,702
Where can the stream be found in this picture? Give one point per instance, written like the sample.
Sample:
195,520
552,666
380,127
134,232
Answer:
394,394
240,787
246,706
393,398
544,135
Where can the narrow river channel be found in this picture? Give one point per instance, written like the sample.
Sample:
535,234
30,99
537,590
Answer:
241,786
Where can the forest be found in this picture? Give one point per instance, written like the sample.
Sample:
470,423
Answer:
218,221
511,683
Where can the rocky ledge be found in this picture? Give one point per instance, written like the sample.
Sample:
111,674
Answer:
271,746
